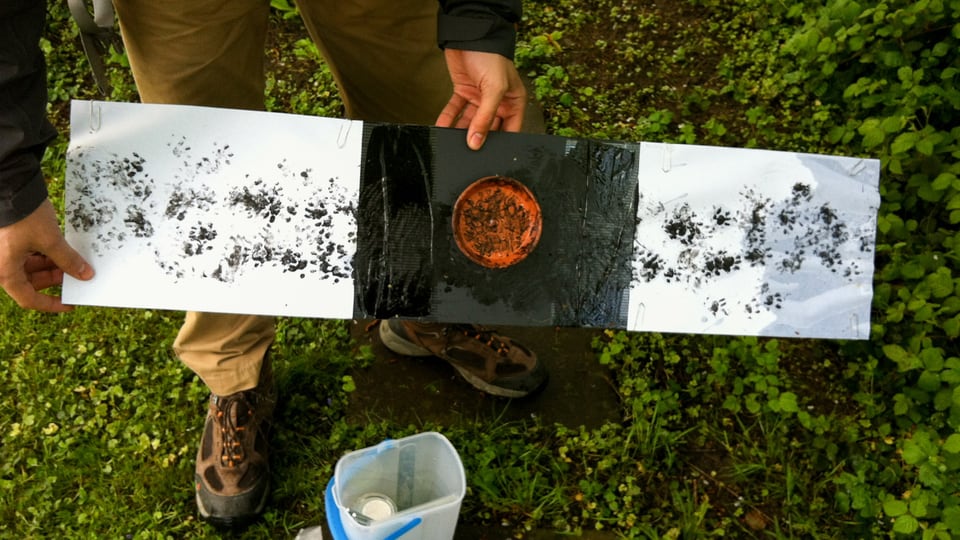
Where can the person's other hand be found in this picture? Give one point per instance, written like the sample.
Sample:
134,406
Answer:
487,94
34,256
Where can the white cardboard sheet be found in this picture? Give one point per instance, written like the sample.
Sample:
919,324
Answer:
212,209
754,242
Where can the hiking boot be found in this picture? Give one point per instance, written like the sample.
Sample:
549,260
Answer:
233,474
488,361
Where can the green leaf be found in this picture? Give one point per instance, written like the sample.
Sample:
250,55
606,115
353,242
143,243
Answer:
943,400
883,224
952,444
891,58
731,403
826,45
895,312
872,133
912,453
904,142
753,406
927,193
929,381
788,402
894,507
918,507
930,476
906,524
895,166
951,327
925,313
833,135
941,283
925,146
912,270
943,181
905,360
941,49
905,74
956,396
892,124
954,202
605,357
951,518
901,404
932,359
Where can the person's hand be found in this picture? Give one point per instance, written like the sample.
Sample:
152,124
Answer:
34,256
487,94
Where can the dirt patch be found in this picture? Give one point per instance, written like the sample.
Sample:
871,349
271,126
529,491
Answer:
408,390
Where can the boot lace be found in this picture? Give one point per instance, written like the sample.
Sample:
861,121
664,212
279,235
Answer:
233,414
487,337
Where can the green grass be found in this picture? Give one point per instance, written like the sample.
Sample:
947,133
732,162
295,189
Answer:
734,437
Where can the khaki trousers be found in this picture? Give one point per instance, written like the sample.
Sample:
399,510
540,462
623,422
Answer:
388,68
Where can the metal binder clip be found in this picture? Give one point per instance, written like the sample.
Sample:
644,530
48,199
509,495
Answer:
638,317
857,168
344,134
666,164
95,117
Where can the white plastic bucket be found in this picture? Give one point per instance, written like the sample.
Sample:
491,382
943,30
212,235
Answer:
413,488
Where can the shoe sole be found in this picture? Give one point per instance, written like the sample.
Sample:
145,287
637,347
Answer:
232,522
401,345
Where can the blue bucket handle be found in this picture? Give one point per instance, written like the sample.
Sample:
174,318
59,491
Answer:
405,529
336,526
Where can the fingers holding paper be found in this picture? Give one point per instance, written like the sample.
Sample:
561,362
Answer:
488,94
34,256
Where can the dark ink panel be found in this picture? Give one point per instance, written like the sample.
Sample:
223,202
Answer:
607,208
393,267
408,263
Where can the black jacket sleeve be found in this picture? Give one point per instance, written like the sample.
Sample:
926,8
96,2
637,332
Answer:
475,25
24,128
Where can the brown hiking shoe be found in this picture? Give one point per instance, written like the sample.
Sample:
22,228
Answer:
233,473
489,361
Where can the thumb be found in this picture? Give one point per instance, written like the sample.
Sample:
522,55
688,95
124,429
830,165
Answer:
72,263
54,246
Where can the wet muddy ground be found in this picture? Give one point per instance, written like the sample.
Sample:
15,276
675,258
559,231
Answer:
409,390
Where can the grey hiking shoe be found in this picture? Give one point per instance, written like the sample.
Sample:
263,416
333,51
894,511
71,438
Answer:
233,474
488,361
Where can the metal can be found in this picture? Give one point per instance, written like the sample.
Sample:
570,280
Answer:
373,507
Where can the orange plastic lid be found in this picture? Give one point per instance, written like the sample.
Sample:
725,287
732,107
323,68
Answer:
497,222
